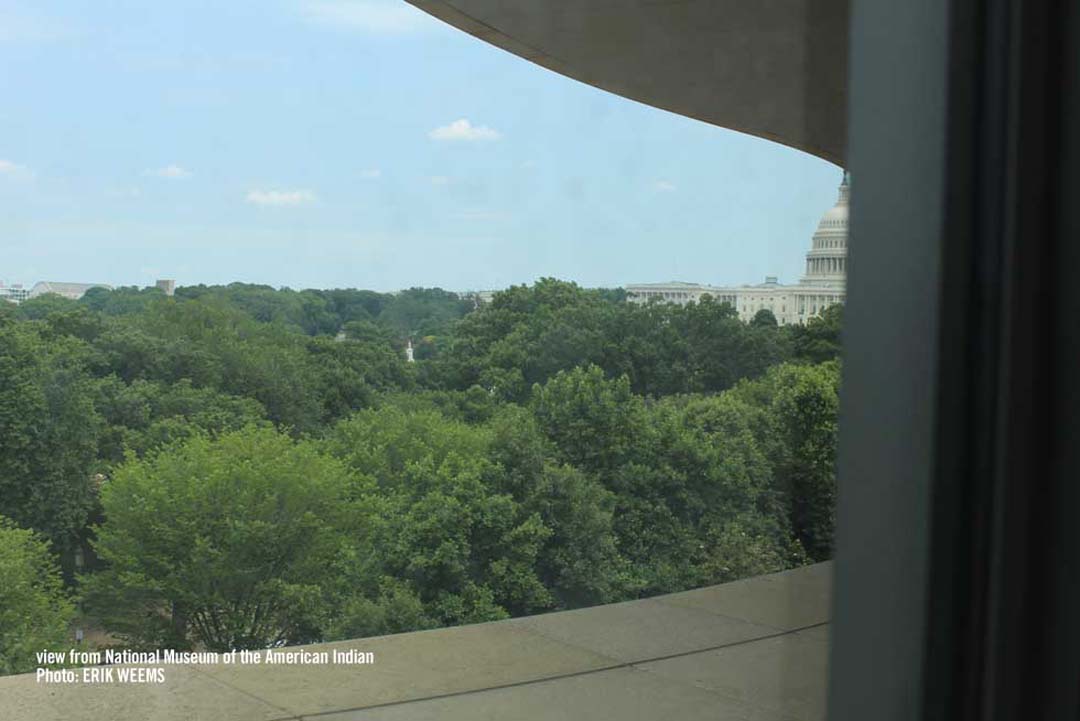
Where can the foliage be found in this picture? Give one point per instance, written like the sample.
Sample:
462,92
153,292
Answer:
764,318
42,306
686,474
595,422
419,312
819,340
467,550
34,607
580,563
802,403
48,433
146,415
527,335
227,543
272,470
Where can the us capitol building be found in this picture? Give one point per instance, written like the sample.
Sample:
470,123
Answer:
822,286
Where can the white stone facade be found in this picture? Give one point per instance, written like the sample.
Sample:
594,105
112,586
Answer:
14,293
72,291
822,285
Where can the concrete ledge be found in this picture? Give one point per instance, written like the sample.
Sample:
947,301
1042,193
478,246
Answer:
752,649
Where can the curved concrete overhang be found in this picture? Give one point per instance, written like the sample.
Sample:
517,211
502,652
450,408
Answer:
775,69
751,649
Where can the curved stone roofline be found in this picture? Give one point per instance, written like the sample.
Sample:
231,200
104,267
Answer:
776,70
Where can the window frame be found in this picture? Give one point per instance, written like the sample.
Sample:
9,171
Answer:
957,588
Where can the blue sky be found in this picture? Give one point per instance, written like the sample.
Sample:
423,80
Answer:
360,143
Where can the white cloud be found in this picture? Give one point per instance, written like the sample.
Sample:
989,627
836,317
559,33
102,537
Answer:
280,198
464,130
371,174
10,169
664,186
174,172
372,16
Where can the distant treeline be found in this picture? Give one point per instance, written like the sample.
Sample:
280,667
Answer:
239,467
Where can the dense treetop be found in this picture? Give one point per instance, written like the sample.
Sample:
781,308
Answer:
35,609
242,466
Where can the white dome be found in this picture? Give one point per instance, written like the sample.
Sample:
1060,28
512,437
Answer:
826,263
836,218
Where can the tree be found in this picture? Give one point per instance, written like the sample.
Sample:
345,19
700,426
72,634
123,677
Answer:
366,331
695,501
523,336
723,350
805,408
526,335
556,447
764,318
34,608
422,311
77,322
649,344
48,433
39,307
580,562
349,304
348,375
145,415
466,550
122,301
302,382
227,543
692,483
596,423
819,340
800,429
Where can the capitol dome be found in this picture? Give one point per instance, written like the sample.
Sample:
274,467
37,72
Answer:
826,262
821,288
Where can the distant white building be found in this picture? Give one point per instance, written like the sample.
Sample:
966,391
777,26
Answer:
74,291
167,286
15,293
822,285
478,297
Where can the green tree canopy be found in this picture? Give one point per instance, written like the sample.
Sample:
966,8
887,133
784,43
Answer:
694,493
39,307
819,340
274,471
484,514
228,543
526,335
35,610
801,405
49,431
764,318
467,550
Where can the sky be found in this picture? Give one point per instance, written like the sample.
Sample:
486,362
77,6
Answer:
360,143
